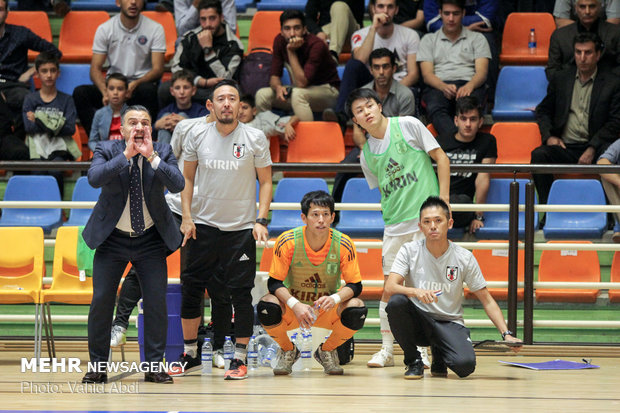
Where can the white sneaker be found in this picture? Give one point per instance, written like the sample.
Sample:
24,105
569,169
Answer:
383,358
218,359
424,356
118,337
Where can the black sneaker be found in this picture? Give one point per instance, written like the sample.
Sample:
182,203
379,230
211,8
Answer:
438,367
191,364
415,370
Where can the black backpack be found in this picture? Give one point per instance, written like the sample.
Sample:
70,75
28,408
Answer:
255,70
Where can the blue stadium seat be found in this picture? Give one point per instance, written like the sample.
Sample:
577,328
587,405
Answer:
242,5
32,188
575,225
275,5
340,70
292,190
519,89
95,5
496,223
82,192
72,76
286,77
360,223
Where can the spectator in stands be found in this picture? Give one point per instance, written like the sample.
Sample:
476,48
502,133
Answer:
565,14
186,15
580,116
182,89
468,145
611,182
454,63
480,16
12,148
334,21
49,118
396,100
425,288
107,120
312,69
60,7
270,123
211,51
411,14
15,41
382,33
561,51
135,46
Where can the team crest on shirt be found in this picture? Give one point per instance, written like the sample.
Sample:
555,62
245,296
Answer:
142,40
452,273
238,150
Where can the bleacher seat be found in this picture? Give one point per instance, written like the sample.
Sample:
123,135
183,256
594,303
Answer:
292,190
166,19
77,33
243,5
494,266
360,223
516,36
94,5
519,90
614,295
575,225
371,268
316,142
73,75
31,188
264,28
496,222
568,266
279,5
82,192
36,21
515,141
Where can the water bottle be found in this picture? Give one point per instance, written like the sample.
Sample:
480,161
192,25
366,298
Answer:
531,43
267,349
229,351
252,354
207,356
306,351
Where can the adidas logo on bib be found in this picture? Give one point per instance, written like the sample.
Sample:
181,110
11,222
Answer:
244,258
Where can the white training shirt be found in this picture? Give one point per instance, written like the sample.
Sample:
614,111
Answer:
416,135
421,269
226,175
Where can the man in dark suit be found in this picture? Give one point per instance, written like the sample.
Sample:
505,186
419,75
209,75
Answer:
580,116
131,222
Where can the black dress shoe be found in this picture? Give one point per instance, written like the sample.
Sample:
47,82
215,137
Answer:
94,377
161,377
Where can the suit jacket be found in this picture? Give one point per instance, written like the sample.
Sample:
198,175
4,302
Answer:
561,49
604,114
109,171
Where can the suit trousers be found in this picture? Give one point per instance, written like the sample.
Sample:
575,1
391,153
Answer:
147,253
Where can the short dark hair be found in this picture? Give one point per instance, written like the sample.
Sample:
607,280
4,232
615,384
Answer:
138,108
183,74
374,3
226,82
361,93
435,201
6,4
249,99
587,37
318,198
382,52
458,3
210,4
117,76
468,103
290,14
46,57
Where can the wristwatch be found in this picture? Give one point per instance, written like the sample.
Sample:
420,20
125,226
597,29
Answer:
507,333
153,155
480,218
263,221
207,50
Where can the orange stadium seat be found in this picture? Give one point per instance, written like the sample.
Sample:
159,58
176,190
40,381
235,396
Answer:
369,260
36,21
568,266
516,36
264,28
274,148
494,266
432,129
515,143
614,295
166,19
77,33
316,142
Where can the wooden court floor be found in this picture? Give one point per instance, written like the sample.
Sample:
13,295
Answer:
492,387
